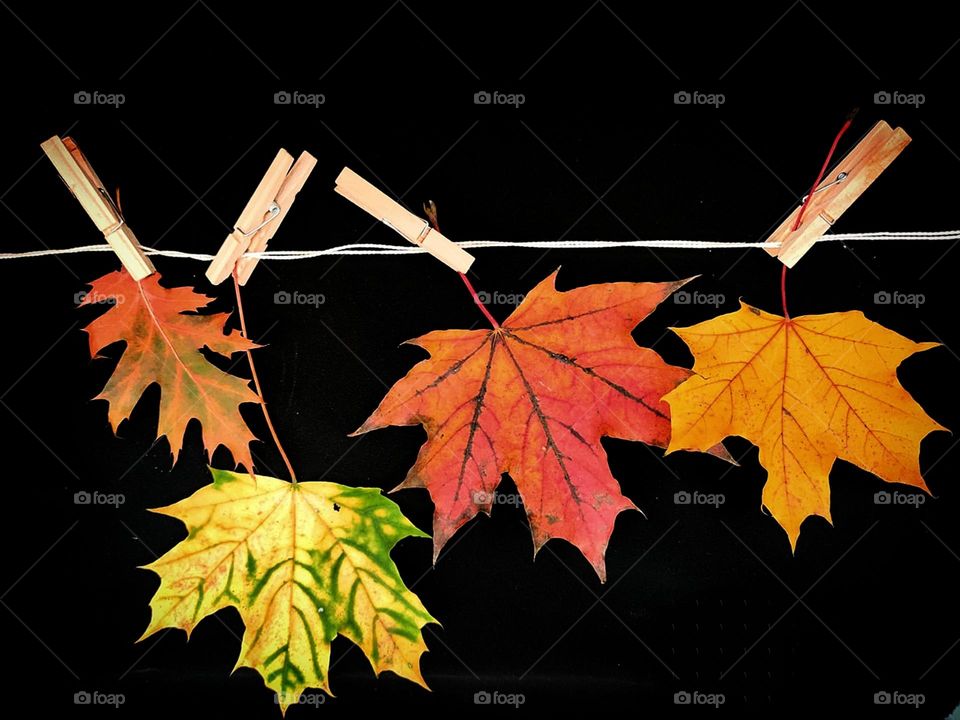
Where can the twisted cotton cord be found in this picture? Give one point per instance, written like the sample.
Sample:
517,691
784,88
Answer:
382,249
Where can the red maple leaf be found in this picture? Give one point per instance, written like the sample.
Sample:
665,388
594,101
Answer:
532,398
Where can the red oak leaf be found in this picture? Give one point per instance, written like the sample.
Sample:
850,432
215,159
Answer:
164,336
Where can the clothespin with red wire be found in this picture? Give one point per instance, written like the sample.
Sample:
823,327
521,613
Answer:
835,191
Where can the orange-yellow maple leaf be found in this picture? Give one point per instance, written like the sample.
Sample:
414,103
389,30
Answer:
164,337
532,398
806,391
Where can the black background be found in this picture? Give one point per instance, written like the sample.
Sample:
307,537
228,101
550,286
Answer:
194,135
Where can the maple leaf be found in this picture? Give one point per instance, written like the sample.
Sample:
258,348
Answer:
532,398
806,391
302,562
163,345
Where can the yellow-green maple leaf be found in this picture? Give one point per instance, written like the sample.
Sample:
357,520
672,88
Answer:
302,563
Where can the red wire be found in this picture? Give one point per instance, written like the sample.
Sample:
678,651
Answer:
806,202
826,163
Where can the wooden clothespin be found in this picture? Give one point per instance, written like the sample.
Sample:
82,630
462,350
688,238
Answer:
415,229
261,218
840,187
88,189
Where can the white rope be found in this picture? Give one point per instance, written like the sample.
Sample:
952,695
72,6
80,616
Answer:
380,249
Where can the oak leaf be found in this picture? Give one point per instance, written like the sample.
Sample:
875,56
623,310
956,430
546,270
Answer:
807,391
532,398
302,563
163,337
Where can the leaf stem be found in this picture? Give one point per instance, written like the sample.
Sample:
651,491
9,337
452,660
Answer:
783,292
256,382
430,208
479,302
